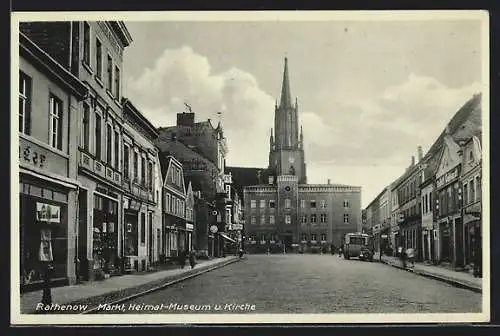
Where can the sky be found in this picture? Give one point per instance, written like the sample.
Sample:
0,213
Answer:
369,92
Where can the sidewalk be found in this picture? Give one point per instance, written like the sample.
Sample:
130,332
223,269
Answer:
119,287
455,278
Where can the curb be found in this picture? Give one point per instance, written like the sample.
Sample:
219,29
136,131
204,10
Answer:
452,282
164,285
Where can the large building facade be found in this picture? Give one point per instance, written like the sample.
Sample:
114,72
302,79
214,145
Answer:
50,101
284,213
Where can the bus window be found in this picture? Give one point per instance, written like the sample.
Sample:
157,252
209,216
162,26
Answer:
356,240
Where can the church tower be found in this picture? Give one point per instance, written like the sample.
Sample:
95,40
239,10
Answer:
286,152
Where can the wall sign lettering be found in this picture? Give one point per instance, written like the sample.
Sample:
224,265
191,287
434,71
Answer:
30,155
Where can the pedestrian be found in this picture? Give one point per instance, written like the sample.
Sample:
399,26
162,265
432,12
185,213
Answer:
403,257
240,253
340,252
192,259
182,258
332,249
411,256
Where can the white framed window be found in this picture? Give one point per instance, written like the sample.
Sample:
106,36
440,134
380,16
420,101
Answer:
24,103
85,143
252,220
253,204
324,218
271,219
116,162
302,204
323,237
126,161
262,204
313,237
304,218
288,203
55,105
288,219
109,142
314,218
346,218
323,204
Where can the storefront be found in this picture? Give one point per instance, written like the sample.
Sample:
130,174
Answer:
44,231
106,261
473,239
445,241
131,209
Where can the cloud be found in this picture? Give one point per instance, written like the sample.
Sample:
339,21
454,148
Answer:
349,138
385,129
181,75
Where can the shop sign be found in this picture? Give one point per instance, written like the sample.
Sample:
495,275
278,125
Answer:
32,155
447,178
48,213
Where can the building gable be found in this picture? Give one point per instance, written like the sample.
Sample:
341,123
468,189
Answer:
449,158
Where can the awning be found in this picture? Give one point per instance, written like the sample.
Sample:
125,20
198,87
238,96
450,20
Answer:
227,237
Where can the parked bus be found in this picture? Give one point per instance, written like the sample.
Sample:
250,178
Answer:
358,245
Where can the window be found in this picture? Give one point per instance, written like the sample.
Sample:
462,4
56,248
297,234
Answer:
136,165
86,127
150,175
466,194
346,204
324,218
323,237
110,73
271,219
478,188
304,219
252,220
169,204
143,228
302,203
117,150
24,103
323,204
98,136
86,43
143,170
313,204
117,83
262,204
304,237
126,162
228,191
288,219
472,191
253,204
272,204
262,220
98,58
55,122
346,218
288,203
313,237
109,139
313,218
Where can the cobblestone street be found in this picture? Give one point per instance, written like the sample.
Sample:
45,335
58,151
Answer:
310,284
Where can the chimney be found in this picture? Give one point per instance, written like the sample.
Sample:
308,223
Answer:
412,160
419,151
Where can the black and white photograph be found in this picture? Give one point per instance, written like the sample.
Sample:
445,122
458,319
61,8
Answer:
250,167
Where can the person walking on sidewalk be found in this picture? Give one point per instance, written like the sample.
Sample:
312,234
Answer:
182,258
192,259
411,256
402,255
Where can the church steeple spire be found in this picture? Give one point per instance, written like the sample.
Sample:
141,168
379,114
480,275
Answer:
286,98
